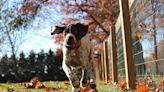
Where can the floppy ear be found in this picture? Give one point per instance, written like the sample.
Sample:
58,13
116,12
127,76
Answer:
81,30
57,30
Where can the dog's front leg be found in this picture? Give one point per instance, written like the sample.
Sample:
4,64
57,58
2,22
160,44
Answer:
85,78
75,81
92,78
73,78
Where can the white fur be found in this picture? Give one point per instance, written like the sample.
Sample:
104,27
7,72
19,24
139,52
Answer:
73,60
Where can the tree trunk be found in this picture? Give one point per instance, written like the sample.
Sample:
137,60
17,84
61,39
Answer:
154,5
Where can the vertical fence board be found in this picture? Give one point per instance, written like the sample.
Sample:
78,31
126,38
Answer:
106,63
127,44
102,67
113,54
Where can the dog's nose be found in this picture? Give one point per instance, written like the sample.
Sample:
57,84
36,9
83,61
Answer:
70,40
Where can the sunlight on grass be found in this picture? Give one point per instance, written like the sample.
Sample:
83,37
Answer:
52,86
102,87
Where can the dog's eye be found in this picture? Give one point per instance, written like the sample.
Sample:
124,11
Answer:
65,32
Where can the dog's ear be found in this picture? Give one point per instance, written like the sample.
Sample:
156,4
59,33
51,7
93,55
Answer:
57,30
81,30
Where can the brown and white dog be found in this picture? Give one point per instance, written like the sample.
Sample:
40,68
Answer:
77,56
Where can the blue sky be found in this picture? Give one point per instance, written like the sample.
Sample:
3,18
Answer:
38,39
37,36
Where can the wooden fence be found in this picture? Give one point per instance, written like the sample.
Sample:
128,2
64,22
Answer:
124,56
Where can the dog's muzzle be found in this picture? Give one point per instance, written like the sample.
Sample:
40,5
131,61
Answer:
70,40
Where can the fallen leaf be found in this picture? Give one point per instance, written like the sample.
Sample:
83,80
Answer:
87,89
142,88
39,85
122,85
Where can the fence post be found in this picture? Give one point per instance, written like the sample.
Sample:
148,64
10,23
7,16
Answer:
102,65
113,54
106,63
127,44
97,64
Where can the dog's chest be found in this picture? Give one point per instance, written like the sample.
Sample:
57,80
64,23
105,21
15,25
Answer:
73,58
76,58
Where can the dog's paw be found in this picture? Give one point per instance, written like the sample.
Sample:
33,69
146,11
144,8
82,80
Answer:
76,84
92,85
93,90
76,89
84,83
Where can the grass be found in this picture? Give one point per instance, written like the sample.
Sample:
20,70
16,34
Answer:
53,87
102,87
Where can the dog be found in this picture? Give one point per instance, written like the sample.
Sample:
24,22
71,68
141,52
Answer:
77,56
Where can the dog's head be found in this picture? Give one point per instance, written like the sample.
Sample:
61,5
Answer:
72,33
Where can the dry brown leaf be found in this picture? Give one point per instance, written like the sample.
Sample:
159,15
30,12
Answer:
122,85
142,88
87,89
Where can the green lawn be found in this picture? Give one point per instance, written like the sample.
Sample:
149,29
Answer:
53,87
